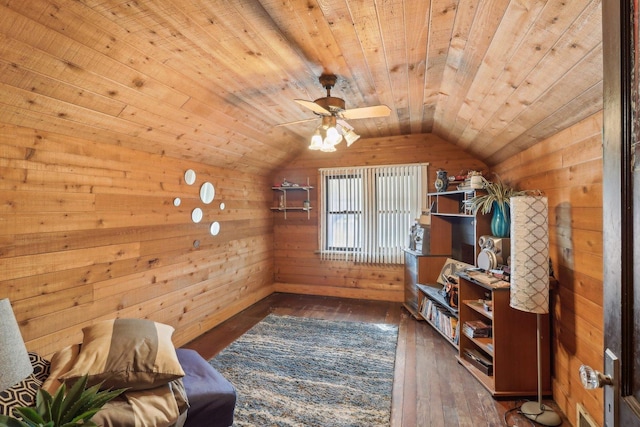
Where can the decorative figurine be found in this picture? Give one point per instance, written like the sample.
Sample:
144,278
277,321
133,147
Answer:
442,182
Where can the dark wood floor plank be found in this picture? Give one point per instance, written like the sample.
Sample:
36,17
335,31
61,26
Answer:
431,389
408,377
400,369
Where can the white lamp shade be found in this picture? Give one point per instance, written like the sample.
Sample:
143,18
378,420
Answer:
530,254
350,136
333,137
14,359
316,141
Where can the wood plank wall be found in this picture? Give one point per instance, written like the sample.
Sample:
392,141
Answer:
568,168
89,231
299,269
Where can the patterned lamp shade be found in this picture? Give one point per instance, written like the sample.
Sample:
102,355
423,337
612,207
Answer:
530,254
14,359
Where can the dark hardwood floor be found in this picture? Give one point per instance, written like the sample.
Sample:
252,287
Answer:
430,387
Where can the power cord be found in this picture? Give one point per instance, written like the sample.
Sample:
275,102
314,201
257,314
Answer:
516,409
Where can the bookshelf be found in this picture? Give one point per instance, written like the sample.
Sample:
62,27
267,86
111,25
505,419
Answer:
419,268
505,363
455,229
441,316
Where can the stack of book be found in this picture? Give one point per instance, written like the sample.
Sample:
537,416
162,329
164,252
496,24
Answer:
476,329
440,318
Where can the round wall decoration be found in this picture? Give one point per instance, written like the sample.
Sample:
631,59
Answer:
190,176
207,193
215,228
196,215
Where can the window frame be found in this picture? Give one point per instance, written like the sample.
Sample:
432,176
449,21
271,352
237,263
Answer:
365,244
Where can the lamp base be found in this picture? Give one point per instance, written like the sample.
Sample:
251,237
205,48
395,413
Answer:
540,413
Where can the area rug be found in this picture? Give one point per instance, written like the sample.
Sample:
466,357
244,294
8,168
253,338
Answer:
292,371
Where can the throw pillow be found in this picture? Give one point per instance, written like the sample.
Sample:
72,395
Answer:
127,353
162,406
24,392
61,363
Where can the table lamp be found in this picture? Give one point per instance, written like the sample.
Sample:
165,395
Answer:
14,359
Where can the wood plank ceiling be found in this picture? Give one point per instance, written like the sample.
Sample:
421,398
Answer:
209,79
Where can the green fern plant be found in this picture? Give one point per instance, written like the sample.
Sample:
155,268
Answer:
75,408
496,192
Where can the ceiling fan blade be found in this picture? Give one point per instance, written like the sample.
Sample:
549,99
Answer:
366,112
296,122
313,106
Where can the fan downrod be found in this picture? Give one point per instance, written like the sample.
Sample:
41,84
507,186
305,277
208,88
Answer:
329,102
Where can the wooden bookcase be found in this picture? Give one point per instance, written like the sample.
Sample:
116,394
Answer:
455,230
437,312
511,348
419,269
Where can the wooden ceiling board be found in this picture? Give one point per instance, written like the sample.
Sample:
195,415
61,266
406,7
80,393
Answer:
473,40
416,16
550,85
209,81
514,27
442,17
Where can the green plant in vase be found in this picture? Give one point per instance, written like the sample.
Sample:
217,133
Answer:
75,408
496,199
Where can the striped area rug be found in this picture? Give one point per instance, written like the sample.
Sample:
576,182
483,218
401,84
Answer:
292,371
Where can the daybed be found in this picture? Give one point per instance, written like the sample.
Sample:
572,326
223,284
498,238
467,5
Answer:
166,386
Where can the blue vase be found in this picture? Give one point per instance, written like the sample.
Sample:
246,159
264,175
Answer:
501,221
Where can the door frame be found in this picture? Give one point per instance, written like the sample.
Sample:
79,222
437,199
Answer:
618,115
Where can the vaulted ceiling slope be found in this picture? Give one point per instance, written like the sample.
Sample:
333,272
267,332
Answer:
209,80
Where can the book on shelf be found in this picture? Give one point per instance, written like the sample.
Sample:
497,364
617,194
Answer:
478,360
455,330
476,329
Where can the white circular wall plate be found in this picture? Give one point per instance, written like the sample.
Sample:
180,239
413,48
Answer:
215,228
190,176
196,215
207,193
177,201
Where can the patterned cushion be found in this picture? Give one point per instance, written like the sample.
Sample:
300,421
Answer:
41,367
24,393
127,353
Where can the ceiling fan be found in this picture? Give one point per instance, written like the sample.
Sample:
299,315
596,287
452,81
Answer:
334,127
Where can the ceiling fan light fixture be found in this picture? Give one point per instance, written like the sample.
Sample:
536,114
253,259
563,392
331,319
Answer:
333,111
350,136
333,137
316,141
328,122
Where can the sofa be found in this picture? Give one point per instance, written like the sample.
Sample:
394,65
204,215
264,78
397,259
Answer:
212,399
165,386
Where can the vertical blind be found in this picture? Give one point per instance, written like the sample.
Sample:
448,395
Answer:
367,212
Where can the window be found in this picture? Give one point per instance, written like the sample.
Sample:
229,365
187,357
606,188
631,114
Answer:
367,212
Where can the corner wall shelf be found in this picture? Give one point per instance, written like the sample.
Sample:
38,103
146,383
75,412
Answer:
304,206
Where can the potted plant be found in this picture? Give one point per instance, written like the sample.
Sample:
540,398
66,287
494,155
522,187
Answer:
63,409
496,199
